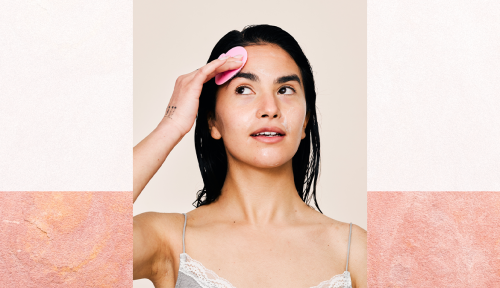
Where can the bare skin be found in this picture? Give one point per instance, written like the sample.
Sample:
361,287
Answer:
259,233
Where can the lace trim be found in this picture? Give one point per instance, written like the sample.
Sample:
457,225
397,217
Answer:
209,279
338,281
203,276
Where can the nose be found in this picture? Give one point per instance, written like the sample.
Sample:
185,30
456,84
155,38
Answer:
268,107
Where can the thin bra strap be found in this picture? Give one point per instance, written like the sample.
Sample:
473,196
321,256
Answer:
348,246
184,232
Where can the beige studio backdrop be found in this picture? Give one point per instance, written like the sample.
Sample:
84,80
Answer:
172,38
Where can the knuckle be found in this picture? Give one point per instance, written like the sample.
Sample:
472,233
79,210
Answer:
179,79
203,70
182,80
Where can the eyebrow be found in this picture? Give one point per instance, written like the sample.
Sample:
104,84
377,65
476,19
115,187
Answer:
280,80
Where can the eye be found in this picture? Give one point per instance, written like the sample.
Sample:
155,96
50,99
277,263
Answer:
243,90
283,90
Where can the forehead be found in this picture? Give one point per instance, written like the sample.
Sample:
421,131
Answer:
269,60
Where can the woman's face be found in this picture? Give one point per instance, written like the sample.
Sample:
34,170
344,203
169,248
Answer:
267,94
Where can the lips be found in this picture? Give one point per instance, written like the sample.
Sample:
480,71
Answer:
269,129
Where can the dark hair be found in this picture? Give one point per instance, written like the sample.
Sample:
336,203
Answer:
211,153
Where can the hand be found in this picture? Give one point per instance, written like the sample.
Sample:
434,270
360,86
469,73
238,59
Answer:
183,105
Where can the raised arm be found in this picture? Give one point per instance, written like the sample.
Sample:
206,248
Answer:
157,236
152,230
147,240
179,118
152,151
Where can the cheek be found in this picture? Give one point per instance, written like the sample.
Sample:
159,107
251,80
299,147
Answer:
293,120
234,123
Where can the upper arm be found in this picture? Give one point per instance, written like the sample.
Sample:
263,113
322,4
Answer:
358,257
147,243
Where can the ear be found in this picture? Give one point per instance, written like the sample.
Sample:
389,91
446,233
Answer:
305,125
214,132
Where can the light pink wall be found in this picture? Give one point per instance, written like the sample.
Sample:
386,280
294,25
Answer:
434,239
66,239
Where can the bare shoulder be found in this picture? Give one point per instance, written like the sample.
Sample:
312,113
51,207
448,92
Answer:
159,224
339,231
157,238
358,257
336,229
167,227
358,234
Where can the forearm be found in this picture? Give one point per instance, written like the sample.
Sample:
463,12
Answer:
151,152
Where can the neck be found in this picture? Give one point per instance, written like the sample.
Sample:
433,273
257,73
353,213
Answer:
260,195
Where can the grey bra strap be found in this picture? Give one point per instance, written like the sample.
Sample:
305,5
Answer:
348,246
184,232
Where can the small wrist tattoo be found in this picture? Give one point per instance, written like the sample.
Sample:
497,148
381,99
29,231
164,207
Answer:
170,111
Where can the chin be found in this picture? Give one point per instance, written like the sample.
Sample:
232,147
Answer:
273,165
268,163
263,158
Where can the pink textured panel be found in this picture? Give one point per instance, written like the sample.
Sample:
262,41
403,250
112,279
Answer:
66,239
434,239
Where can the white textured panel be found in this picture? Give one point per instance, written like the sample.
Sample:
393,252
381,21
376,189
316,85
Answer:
433,95
66,95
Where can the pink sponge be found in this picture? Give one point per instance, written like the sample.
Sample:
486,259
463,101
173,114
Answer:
223,77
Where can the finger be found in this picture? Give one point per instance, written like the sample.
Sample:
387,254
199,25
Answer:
216,62
215,67
229,65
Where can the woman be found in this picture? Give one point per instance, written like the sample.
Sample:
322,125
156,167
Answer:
253,226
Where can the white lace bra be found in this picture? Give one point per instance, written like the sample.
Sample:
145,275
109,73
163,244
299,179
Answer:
192,274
